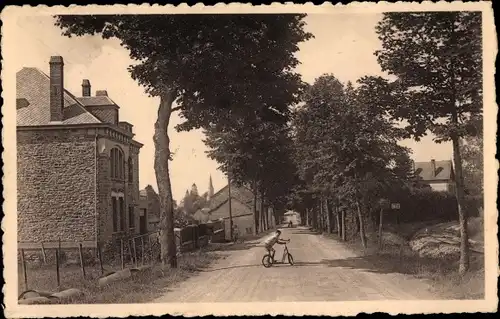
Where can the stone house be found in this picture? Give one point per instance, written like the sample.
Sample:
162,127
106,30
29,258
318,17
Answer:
77,163
149,206
439,175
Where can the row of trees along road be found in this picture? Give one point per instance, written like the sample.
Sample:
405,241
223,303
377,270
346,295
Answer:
346,138
233,76
213,69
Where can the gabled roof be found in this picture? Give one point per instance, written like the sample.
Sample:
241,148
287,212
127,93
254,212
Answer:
96,101
227,200
33,101
242,193
444,170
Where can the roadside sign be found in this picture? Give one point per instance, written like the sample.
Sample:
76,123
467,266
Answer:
395,206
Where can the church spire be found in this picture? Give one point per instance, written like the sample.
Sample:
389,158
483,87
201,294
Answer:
210,189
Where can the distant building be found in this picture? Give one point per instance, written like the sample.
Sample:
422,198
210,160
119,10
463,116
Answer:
149,207
77,164
439,175
202,215
293,217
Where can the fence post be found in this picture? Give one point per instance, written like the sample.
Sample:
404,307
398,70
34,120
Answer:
99,252
142,250
130,251
23,261
121,254
57,270
135,251
151,249
43,254
82,263
59,245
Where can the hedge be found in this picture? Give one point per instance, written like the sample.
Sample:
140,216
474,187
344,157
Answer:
423,205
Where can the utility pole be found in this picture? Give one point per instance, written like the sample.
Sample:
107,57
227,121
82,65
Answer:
230,210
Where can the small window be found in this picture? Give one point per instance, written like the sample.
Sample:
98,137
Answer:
115,214
117,164
131,217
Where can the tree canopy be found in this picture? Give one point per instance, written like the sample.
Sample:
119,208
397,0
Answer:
216,68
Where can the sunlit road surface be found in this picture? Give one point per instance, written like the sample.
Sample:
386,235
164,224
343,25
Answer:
324,270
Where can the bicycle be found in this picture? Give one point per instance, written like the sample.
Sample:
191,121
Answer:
268,259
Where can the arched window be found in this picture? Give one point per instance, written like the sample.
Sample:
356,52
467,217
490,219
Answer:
117,164
130,170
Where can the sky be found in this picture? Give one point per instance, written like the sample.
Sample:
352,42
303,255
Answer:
343,45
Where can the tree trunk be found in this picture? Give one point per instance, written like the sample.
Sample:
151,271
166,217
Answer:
255,214
307,217
457,161
262,212
343,226
361,224
314,220
337,218
328,217
162,156
321,214
462,217
230,208
380,223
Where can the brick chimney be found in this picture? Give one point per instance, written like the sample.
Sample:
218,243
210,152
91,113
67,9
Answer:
86,87
101,93
56,88
433,167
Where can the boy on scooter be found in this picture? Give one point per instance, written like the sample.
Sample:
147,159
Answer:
271,241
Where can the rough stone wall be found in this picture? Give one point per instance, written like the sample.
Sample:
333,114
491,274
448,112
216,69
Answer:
104,199
133,189
56,186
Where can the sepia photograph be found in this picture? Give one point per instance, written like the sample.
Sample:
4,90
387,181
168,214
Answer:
238,159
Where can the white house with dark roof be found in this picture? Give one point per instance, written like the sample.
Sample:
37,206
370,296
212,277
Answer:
439,175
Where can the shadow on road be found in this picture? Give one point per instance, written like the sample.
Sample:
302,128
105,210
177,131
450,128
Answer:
232,267
233,247
304,232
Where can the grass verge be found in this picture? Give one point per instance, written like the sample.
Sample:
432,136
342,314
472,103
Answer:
142,287
441,273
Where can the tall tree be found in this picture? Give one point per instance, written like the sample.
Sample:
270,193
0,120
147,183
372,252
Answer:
437,59
177,59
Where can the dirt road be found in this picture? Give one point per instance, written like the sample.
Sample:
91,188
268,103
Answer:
324,270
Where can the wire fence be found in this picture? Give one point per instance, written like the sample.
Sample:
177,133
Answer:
60,265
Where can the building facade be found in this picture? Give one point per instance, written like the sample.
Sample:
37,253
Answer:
77,164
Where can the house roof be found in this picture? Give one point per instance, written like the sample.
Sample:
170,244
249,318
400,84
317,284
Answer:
242,193
33,101
143,192
227,200
444,170
96,101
